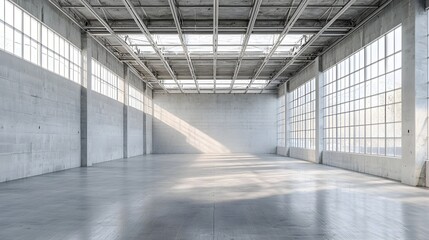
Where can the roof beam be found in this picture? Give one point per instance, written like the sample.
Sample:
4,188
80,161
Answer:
311,41
252,20
215,39
174,12
298,12
318,6
363,22
130,51
146,32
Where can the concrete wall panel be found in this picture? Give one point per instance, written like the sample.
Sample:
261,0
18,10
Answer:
39,120
376,165
210,123
302,153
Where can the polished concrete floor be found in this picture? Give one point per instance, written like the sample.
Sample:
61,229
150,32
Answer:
211,197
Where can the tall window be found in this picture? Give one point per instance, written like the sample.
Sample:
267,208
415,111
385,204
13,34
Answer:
24,36
106,82
302,107
135,98
362,99
281,121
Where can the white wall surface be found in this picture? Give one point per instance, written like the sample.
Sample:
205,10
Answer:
214,123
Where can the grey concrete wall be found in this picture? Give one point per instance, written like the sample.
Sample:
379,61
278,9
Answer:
39,120
282,151
105,129
398,12
375,165
214,123
135,126
302,77
302,153
106,125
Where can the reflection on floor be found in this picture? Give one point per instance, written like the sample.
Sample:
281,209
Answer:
211,197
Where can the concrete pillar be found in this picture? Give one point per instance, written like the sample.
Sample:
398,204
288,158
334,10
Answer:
148,120
287,122
414,94
144,121
85,99
125,112
319,110
427,173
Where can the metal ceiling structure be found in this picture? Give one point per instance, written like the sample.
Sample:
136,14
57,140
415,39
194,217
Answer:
218,46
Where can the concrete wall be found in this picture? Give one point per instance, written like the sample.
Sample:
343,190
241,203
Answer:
39,120
302,77
214,123
135,122
412,16
106,125
375,165
302,153
106,129
398,12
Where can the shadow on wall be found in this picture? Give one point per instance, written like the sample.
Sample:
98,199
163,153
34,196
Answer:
194,137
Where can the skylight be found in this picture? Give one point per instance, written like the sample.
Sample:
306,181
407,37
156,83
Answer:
230,39
167,39
228,45
199,39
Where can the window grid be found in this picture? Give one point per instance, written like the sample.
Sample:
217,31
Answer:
362,100
106,82
26,37
148,106
281,121
302,107
135,98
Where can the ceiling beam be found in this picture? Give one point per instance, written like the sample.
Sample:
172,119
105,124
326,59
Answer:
77,22
252,20
298,12
360,24
317,6
175,13
215,39
311,41
239,26
146,32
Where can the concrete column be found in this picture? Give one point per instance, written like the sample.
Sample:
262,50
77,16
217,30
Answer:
319,110
125,114
144,120
414,94
287,123
148,120
86,99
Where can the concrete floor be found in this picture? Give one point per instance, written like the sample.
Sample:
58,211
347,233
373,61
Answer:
211,197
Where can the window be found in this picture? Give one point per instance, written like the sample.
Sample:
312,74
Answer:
135,98
302,107
362,100
148,106
24,36
106,82
281,121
